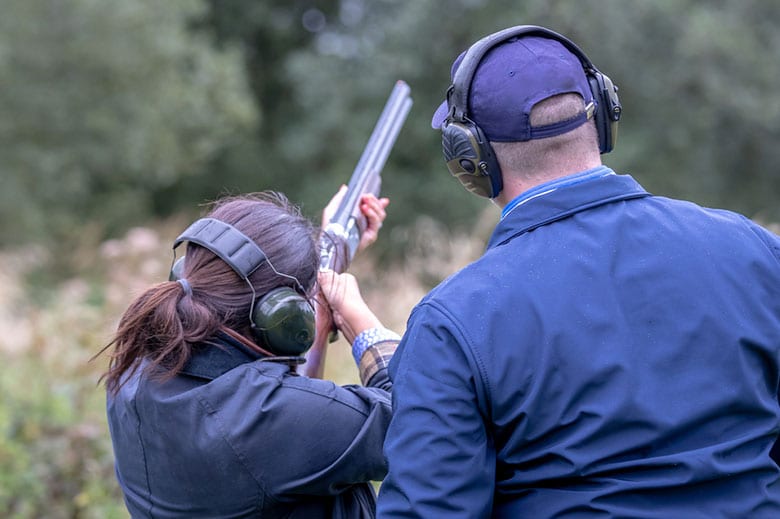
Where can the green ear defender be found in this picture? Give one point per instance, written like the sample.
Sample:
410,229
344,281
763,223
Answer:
282,319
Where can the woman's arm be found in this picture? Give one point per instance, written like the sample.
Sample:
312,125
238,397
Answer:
373,345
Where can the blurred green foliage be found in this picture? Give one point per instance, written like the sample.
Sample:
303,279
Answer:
103,107
114,113
55,457
697,82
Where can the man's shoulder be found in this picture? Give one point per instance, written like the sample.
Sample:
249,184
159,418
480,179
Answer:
715,218
467,278
475,286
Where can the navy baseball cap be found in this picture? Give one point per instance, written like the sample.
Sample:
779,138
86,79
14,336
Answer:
511,78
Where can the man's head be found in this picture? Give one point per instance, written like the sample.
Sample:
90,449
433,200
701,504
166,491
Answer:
497,83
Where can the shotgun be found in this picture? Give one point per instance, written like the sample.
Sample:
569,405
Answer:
341,234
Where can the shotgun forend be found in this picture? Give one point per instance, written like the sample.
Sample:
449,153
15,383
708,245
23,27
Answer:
341,235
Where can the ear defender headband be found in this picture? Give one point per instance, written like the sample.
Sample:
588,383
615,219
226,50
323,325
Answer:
282,319
468,154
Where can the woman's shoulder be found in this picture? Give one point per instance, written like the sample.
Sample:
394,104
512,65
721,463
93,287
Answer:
271,385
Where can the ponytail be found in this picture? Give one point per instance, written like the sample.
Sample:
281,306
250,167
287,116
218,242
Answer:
160,326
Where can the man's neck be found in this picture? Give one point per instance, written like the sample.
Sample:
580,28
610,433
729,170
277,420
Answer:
551,186
515,183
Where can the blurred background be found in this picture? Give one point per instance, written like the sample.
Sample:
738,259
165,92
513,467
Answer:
119,119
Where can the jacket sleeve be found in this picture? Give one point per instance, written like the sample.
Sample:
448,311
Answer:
772,242
300,436
442,461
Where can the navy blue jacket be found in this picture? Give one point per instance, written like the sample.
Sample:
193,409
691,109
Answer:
612,354
234,436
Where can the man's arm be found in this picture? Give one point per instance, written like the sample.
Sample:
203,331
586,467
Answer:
442,463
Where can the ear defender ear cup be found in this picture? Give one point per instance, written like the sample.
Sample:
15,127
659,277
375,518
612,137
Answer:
284,321
470,158
608,110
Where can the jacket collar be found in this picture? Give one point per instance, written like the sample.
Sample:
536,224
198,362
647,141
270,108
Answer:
563,201
216,357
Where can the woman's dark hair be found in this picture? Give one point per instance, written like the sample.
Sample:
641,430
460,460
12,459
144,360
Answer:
164,323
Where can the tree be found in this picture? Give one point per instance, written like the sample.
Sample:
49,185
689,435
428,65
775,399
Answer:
103,106
123,109
701,116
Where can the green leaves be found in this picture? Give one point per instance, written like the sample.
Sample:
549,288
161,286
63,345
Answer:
102,104
116,112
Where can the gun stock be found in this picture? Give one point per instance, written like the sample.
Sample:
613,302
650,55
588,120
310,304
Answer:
341,234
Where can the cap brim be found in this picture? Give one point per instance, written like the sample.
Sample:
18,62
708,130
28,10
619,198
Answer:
439,115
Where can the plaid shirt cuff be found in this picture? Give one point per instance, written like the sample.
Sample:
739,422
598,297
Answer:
372,351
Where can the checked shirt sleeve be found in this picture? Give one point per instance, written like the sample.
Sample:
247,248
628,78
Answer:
372,351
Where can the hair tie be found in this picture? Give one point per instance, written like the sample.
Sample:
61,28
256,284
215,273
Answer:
185,285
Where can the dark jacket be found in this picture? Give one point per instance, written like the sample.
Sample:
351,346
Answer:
236,436
612,354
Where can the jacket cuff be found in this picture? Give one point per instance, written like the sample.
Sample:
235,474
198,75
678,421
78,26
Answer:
372,351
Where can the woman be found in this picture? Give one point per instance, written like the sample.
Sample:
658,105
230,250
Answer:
207,414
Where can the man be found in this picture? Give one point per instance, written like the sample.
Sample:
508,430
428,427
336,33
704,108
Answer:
612,353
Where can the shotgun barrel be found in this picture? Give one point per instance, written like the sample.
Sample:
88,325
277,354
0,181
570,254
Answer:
341,235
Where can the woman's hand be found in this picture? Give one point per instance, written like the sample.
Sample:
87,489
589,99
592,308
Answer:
371,207
350,312
333,205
